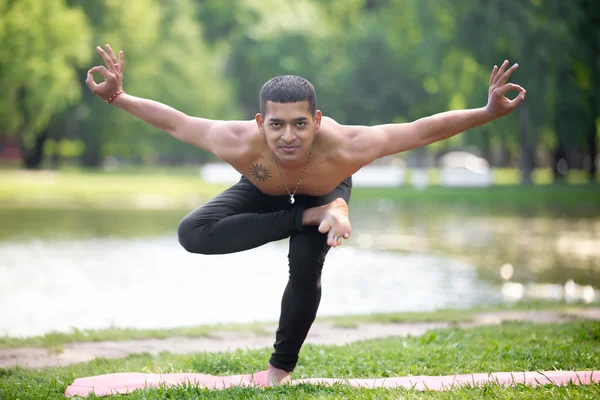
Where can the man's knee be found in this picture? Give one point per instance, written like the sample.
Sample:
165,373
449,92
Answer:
193,237
306,274
305,285
306,262
184,234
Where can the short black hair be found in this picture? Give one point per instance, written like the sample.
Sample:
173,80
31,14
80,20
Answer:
288,89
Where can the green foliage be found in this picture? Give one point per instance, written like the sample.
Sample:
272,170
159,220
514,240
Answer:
166,58
38,61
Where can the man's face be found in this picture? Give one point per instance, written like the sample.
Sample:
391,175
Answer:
289,129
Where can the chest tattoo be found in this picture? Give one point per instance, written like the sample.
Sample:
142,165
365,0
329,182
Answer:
260,173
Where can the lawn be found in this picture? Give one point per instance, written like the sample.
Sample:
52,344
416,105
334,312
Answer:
156,188
511,346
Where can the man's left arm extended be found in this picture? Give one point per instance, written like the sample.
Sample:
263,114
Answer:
382,140
427,130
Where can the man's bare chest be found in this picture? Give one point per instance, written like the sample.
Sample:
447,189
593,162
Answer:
318,178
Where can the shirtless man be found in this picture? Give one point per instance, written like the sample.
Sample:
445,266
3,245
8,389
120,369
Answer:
296,168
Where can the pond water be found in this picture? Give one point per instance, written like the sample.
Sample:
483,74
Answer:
92,269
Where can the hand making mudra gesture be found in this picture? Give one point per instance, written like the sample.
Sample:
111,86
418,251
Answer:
498,104
296,168
112,73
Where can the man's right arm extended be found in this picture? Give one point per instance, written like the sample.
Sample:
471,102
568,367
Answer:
218,137
195,131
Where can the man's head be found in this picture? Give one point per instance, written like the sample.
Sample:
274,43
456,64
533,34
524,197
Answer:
288,117
288,89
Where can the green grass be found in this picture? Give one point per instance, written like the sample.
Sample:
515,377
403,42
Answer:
508,347
451,316
57,339
512,176
103,190
182,188
552,200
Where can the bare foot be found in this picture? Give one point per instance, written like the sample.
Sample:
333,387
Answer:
277,376
332,218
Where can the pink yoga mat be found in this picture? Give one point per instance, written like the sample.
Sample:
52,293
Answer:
109,384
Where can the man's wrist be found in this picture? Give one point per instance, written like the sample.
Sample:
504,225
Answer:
122,100
489,113
113,98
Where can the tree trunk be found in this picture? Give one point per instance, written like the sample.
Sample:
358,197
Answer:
33,157
526,159
559,157
504,158
592,148
91,155
486,149
55,160
591,134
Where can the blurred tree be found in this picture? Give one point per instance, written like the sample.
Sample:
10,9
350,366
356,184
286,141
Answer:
586,68
348,55
120,24
38,61
165,59
222,19
397,68
185,74
264,40
531,33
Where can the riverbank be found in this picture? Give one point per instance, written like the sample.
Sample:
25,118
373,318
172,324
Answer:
108,344
545,311
184,189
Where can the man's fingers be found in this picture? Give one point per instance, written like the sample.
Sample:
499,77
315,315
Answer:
500,72
519,99
90,82
493,76
121,62
112,56
508,87
100,69
105,57
504,77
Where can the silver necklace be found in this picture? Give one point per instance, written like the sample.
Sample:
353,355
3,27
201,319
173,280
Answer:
292,200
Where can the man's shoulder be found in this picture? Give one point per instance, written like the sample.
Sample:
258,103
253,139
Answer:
329,122
336,131
347,144
330,127
237,139
239,128
334,138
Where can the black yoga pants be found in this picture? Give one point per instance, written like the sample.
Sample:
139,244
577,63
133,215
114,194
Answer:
242,218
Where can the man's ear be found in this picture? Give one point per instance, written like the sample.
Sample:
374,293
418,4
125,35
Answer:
260,122
317,119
